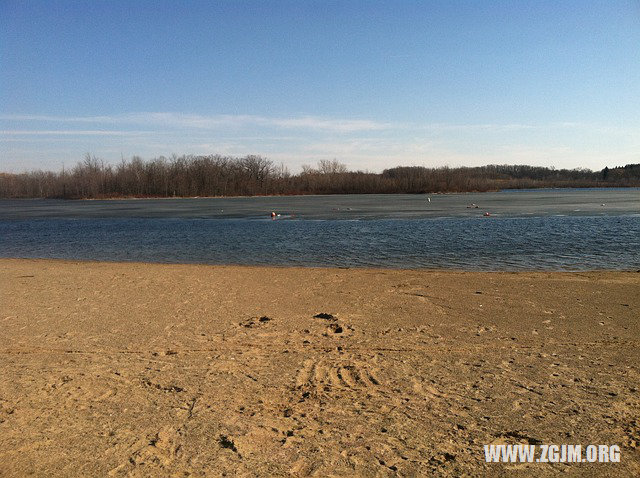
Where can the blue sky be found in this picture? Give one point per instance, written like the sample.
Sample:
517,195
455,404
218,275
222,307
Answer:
372,84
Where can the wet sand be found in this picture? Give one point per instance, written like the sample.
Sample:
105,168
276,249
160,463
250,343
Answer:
112,369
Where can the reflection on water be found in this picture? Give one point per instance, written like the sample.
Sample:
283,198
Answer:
549,229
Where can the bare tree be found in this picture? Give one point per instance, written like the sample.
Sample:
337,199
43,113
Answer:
216,175
331,167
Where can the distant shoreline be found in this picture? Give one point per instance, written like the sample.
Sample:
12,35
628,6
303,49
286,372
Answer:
448,193
217,176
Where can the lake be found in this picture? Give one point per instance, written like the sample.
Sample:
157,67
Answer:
548,229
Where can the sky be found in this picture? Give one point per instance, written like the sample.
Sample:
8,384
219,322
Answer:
373,84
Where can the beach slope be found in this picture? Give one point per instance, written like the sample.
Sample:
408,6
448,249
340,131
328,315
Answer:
128,369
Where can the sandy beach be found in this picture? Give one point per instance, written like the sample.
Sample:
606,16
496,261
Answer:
129,369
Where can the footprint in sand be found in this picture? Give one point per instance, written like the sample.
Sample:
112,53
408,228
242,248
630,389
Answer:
161,450
255,322
324,375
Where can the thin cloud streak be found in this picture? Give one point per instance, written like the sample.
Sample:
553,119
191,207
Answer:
312,123
361,143
67,132
181,120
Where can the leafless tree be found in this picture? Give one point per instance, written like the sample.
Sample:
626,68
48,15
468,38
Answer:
216,175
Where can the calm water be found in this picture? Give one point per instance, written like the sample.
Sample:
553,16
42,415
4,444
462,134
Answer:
542,229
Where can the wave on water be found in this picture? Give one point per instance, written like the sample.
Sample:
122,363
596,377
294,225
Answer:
521,243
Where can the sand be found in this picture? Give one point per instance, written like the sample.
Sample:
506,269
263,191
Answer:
112,369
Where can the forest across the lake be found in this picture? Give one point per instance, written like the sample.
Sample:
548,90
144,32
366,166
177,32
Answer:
253,175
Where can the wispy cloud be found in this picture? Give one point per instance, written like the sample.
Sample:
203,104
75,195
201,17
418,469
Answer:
305,122
37,140
479,126
171,120
182,120
68,132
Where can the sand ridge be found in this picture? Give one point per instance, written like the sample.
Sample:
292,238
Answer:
128,369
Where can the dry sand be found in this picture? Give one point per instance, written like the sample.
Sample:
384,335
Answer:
167,370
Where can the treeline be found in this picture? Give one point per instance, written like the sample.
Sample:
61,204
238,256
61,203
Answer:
189,176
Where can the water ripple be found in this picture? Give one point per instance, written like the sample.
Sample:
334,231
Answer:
533,243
